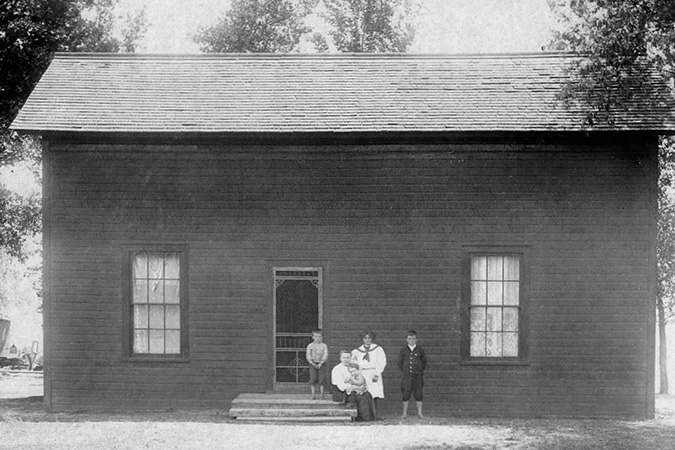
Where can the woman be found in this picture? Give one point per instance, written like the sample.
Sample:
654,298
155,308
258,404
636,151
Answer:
372,360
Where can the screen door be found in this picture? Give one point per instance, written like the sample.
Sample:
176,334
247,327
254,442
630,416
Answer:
297,311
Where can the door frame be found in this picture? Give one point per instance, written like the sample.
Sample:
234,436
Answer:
320,286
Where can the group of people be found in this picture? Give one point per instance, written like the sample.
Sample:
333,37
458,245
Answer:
357,379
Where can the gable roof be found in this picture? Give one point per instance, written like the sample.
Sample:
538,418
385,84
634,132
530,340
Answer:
274,93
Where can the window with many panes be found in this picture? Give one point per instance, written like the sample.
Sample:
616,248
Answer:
494,307
157,305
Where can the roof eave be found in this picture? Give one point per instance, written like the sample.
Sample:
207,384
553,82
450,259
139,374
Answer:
338,137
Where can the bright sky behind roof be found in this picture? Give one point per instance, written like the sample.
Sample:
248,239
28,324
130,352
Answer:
445,26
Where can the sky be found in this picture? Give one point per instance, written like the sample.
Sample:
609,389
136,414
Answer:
445,26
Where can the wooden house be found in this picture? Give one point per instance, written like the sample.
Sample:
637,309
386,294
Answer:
202,214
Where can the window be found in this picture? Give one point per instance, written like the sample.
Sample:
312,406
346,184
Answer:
494,313
157,306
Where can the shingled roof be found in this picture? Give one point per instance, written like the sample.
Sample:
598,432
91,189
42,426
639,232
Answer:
316,93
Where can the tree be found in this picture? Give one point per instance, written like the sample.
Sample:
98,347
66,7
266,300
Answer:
621,38
368,25
136,27
665,254
30,32
257,26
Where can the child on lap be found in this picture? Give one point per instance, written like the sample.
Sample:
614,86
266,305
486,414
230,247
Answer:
358,395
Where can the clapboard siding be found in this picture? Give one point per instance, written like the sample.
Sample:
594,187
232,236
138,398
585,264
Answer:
389,225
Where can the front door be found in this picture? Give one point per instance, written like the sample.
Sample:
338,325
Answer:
297,311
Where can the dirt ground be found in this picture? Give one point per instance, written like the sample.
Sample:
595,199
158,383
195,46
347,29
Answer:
24,425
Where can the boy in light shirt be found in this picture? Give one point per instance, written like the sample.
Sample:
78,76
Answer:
317,355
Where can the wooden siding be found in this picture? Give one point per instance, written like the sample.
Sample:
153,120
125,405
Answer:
393,222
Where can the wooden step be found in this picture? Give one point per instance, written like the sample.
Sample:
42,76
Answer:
287,407
280,401
295,419
292,412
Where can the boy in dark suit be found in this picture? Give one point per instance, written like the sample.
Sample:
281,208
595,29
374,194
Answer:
412,360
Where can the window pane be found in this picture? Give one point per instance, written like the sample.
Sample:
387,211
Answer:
156,341
156,267
478,319
511,293
495,292
141,341
156,303
494,319
510,319
140,316
510,344
157,317
156,291
172,266
140,266
478,267
511,268
173,317
478,292
478,344
140,291
493,342
173,341
172,291
495,268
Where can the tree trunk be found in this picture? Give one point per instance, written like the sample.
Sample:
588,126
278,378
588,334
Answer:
663,355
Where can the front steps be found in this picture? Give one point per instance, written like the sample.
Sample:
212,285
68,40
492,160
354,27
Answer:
280,407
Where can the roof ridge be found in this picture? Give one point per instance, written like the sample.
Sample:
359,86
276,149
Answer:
432,56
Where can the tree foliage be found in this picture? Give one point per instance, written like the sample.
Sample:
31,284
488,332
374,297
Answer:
369,25
30,32
279,26
620,38
257,26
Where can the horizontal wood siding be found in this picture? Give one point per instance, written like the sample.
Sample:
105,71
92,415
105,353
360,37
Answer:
389,225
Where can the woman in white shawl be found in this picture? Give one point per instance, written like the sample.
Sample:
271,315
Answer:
372,360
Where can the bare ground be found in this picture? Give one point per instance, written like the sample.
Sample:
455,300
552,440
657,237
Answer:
25,425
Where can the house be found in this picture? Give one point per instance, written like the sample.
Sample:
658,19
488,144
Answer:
202,214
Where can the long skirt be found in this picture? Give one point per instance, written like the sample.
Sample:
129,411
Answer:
365,410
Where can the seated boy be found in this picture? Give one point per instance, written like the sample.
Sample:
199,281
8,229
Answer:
340,376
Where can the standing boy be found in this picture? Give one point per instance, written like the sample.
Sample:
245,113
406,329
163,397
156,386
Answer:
412,360
317,355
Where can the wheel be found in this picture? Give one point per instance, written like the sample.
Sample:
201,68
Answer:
26,362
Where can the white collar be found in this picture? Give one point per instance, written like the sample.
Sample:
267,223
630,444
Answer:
413,347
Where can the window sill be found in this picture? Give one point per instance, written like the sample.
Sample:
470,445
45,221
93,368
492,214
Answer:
163,359
494,362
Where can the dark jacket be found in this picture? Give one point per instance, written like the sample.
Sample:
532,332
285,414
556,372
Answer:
412,362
